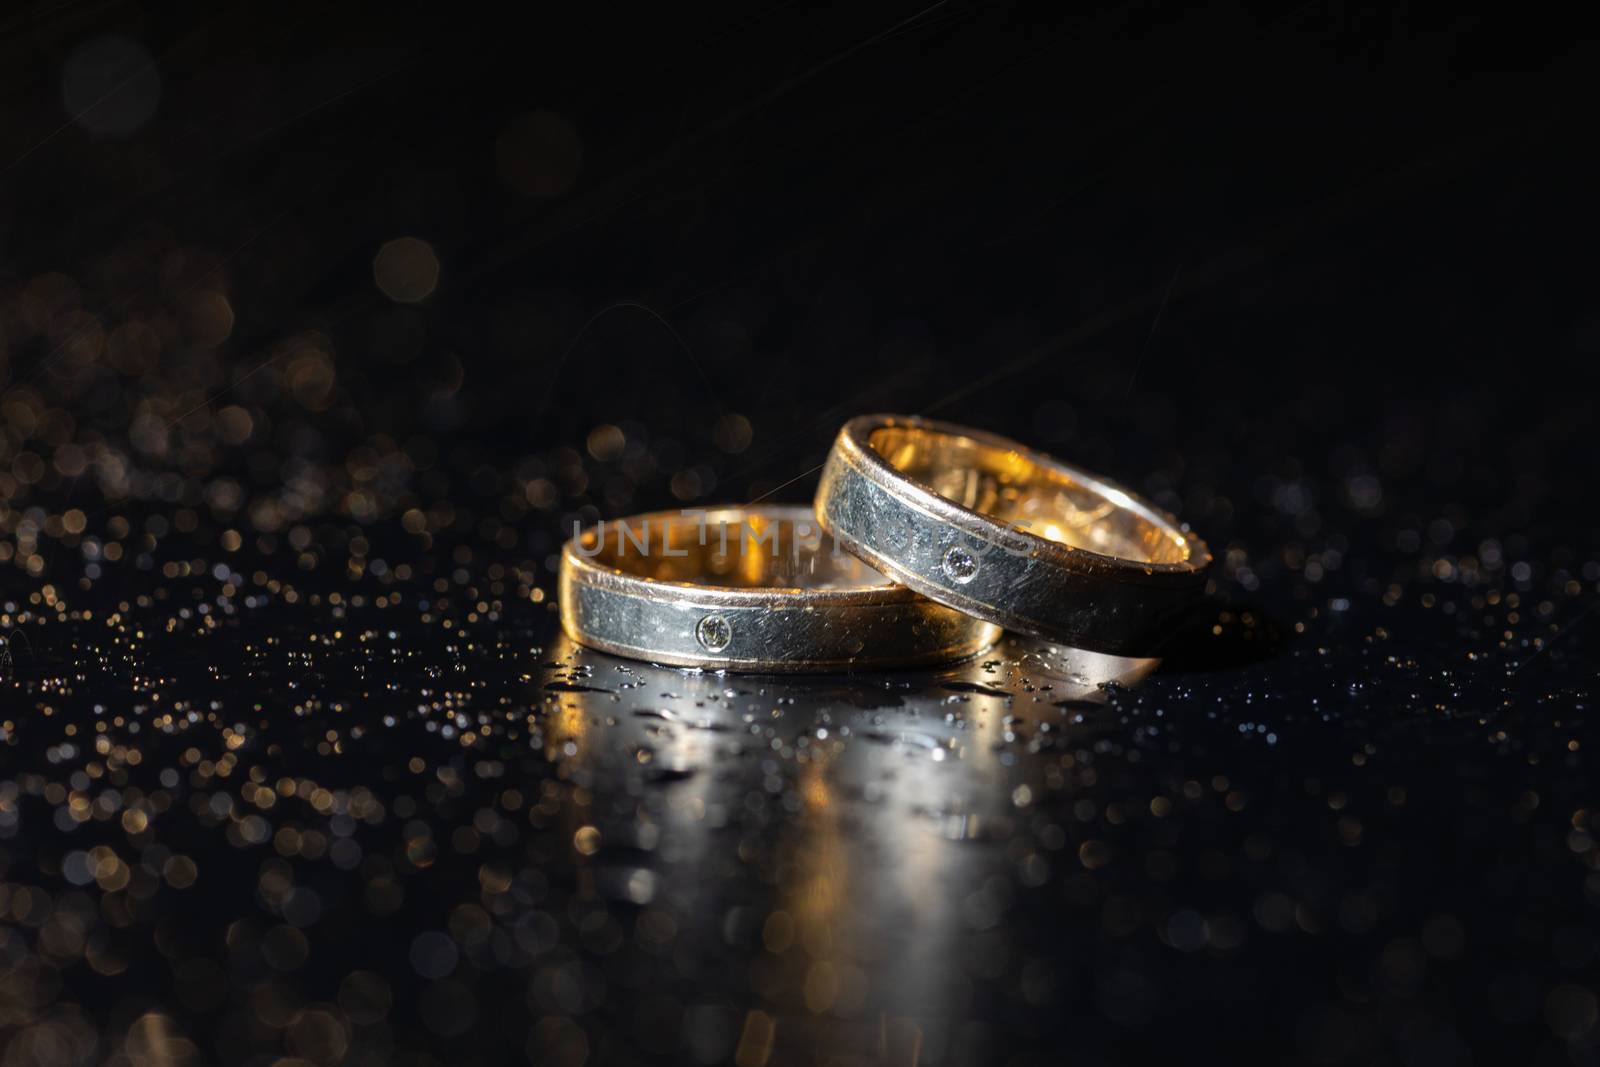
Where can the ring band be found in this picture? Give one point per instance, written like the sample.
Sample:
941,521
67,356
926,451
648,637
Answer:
1009,535
758,589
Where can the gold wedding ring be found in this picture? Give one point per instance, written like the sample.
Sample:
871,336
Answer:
760,589
1008,535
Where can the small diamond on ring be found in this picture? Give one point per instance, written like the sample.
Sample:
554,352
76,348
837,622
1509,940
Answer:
960,565
713,632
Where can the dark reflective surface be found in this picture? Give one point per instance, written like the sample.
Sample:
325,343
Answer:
879,827
396,822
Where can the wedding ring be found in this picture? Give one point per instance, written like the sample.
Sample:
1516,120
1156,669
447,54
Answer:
758,589
1009,535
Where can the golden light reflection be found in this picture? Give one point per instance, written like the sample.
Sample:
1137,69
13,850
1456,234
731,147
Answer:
878,878
567,733
1014,488
815,902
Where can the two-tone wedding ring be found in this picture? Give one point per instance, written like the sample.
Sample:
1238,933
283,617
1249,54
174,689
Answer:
1009,535
758,589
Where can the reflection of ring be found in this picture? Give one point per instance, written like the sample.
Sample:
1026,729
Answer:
1007,534
748,589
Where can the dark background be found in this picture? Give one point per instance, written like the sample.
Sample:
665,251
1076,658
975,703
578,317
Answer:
1319,280
1093,230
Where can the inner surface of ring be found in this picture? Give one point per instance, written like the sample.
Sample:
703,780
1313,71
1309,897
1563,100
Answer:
782,548
1013,489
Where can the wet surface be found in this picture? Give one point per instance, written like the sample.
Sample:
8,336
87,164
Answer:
397,821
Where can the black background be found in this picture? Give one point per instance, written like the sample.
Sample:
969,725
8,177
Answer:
1319,279
1134,217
